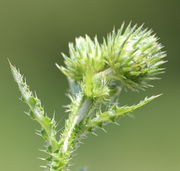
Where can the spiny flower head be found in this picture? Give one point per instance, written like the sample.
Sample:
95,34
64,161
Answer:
129,57
134,55
85,55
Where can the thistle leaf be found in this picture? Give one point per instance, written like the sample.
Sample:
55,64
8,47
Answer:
115,112
36,112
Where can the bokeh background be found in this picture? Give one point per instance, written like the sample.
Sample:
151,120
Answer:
32,35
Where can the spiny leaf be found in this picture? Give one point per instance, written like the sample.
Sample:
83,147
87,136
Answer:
36,110
115,112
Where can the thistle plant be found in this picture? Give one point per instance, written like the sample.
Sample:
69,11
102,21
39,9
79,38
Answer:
128,58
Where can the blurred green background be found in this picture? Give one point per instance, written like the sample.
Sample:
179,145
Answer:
32,35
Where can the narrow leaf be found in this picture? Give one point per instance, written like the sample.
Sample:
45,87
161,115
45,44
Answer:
115,112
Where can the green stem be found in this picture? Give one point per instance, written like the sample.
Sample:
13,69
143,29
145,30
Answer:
83,110
69,136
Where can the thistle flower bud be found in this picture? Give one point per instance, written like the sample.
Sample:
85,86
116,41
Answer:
130,56
85,55
134,55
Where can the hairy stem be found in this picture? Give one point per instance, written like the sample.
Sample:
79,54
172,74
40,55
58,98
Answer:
83,111
69,137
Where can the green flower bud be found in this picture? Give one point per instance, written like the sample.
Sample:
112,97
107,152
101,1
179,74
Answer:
134,56
130,56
